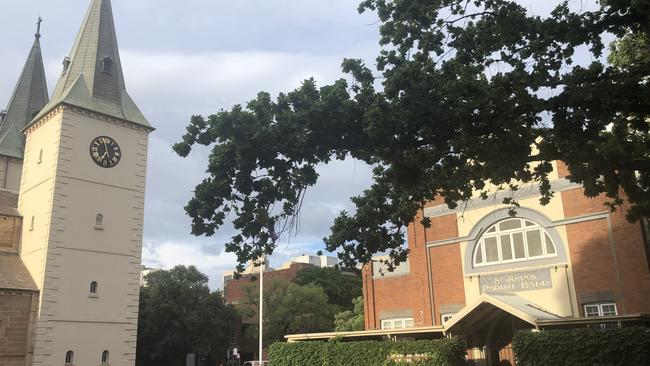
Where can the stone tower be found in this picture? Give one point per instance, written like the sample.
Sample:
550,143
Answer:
29,97
82,202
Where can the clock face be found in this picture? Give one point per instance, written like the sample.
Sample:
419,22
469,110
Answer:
105,152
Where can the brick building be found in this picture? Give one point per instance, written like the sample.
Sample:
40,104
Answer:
481,274
235,294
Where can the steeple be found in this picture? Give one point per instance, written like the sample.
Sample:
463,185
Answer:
29,97
92,76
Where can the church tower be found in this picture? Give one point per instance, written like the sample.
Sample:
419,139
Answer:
82,202
29,97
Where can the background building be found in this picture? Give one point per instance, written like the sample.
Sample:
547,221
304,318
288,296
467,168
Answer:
71,225
235,294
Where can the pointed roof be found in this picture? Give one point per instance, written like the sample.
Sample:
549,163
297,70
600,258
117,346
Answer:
92,77
29,97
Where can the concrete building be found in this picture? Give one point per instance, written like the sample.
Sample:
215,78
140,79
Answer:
70,257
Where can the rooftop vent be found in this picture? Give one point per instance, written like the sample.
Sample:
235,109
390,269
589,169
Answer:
3,114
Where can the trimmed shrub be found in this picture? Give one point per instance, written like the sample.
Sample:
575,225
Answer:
439,352
583,347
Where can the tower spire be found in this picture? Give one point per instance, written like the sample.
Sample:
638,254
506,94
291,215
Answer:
92,76
29,98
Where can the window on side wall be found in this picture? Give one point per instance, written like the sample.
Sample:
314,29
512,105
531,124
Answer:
600,309
445,317
397,323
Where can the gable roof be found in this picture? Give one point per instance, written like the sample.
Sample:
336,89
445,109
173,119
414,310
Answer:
92,78
29,98
486,304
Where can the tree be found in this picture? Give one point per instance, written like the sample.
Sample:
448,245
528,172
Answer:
351,320
179,315
341,287
472,92
288,309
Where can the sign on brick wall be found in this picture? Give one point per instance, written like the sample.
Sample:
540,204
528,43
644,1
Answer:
516,281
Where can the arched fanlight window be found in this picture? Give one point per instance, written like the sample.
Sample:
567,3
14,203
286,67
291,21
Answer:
513,240
105,357
69,357
93,287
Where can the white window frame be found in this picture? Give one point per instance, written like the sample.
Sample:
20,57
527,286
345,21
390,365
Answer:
599,308
523,230
445,317
397,323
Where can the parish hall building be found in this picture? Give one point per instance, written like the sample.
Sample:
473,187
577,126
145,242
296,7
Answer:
482,275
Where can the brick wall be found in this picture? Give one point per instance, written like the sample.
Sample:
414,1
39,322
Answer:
399,294
15,316
233,288
595,262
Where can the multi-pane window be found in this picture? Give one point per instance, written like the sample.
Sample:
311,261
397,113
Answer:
602,309
397,323
513,240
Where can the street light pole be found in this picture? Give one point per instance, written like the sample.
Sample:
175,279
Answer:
261,306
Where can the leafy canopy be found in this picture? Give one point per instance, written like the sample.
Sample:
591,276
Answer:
467,88
289,308
351,320
179,315
341,287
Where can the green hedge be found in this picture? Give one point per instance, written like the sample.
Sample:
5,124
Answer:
583,347
439,352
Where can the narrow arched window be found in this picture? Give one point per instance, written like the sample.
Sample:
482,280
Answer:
31,224
93,288
99,220
40,156
105,357
69,357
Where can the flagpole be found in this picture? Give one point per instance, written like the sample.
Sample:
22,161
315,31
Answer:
261,306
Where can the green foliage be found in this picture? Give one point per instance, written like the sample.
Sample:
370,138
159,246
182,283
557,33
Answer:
467,87
178,315
442,352
288,309
341,287
350,320
583,347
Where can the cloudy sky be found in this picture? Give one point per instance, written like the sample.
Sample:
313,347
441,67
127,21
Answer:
194,57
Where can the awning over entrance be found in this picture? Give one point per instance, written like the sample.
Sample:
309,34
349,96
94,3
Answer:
488,307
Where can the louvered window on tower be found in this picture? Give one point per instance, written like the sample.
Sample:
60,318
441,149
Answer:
107,66
66,64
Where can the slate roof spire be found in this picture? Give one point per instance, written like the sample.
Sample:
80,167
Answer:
29,98
92,76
